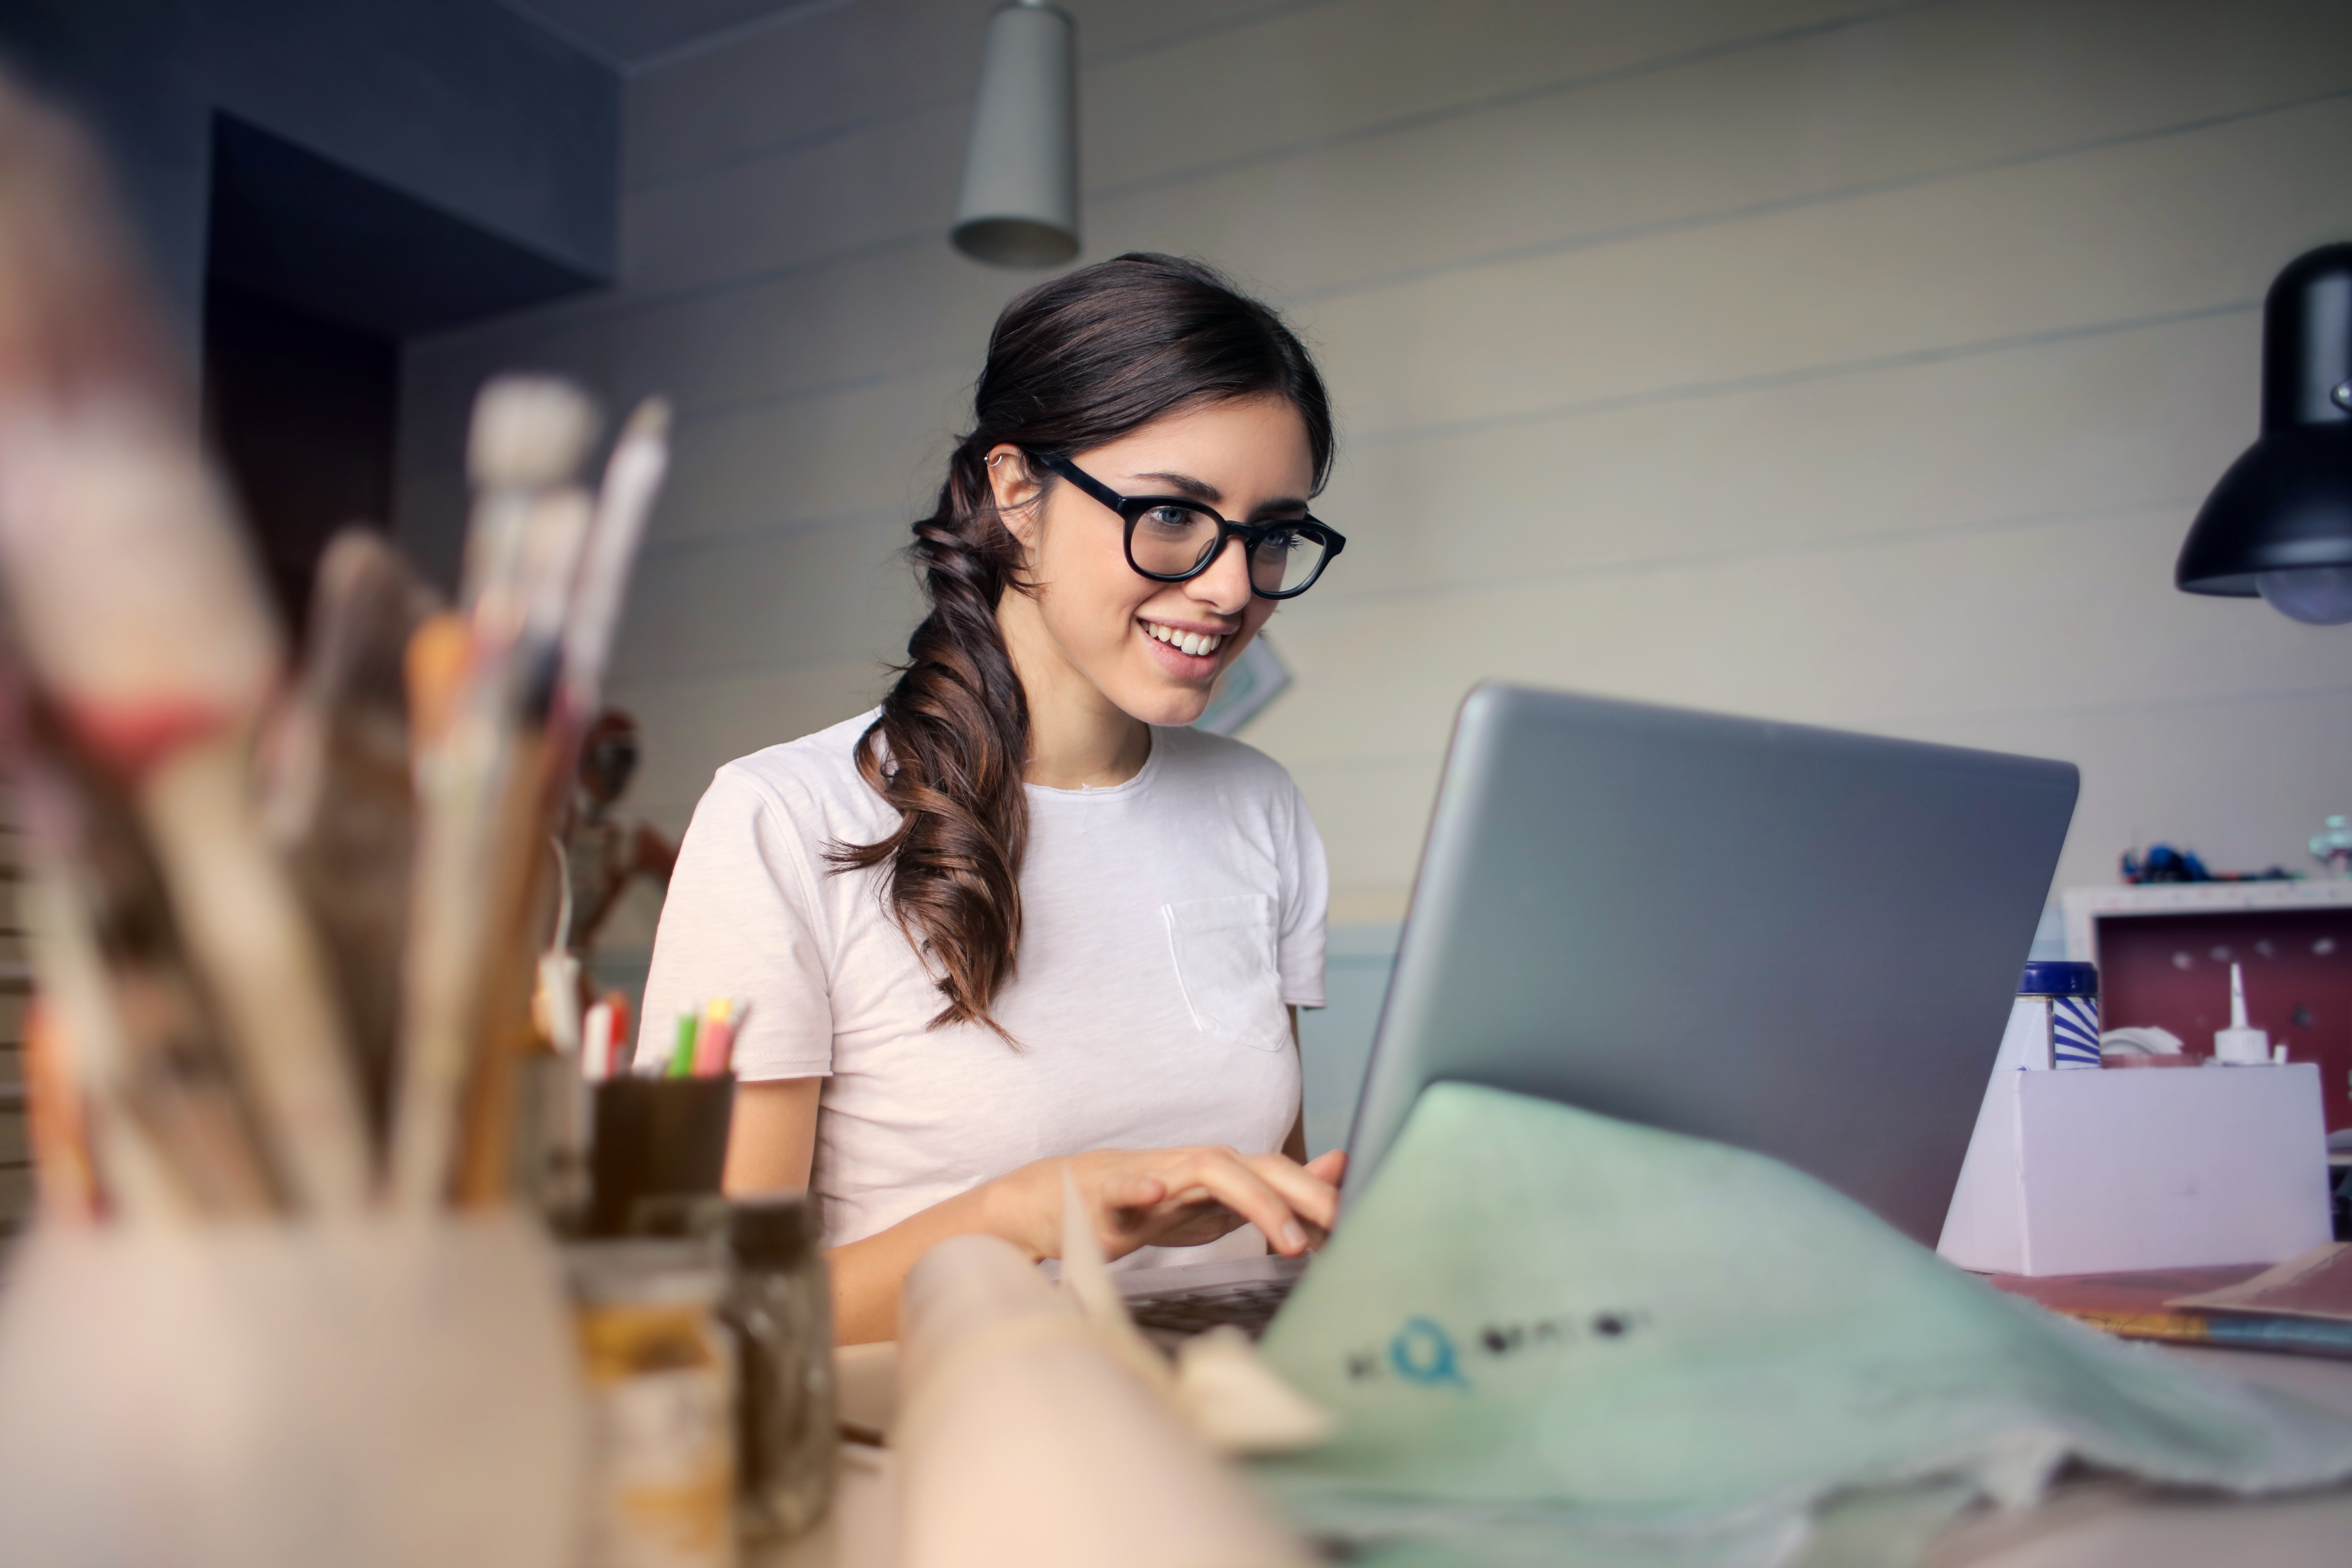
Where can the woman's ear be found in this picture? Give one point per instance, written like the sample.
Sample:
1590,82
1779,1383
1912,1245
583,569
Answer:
1016,491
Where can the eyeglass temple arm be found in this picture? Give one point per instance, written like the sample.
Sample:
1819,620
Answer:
1084,481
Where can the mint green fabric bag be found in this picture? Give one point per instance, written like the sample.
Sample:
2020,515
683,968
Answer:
1554,1337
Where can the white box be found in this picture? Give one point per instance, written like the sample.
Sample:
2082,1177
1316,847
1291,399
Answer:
2096,1172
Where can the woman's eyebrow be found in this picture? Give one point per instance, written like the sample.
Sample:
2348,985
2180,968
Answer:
1186,485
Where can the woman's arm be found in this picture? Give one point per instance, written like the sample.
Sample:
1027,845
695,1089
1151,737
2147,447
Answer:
1294,1146
771,1142
1139,1197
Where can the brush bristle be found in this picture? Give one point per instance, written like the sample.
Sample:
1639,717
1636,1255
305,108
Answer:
530,430
649,419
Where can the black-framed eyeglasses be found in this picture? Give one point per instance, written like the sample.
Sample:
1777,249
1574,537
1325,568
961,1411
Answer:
1171,539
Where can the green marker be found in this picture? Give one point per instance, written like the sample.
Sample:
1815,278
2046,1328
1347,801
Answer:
681,1056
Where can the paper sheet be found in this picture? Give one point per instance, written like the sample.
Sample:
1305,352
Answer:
2319,1284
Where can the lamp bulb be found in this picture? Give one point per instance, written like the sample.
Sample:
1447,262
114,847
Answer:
2316,595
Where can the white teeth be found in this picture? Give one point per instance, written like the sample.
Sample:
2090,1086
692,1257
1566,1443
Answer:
1197,644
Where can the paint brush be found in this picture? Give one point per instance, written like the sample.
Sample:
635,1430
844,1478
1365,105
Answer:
572,562
633,478
336,798
481,778
64,1169
129,1041
144,627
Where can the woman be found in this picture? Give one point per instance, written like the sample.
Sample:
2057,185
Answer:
1021,921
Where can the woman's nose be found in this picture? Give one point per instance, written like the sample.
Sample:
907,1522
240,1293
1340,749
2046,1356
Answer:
1225,586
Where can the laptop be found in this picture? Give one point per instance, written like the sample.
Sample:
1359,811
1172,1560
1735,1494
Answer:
1799,940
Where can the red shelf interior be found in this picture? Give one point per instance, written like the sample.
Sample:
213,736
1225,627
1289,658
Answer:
2173,970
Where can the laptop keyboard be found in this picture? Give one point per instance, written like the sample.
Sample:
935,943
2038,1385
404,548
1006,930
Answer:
1248,1306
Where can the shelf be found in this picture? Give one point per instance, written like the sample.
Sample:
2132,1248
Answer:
2084,906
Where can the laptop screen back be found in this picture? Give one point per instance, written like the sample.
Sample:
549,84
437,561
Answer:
1797,940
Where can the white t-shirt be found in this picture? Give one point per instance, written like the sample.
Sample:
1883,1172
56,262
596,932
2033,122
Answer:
1166,922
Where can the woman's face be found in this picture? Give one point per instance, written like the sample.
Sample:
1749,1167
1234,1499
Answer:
1109,624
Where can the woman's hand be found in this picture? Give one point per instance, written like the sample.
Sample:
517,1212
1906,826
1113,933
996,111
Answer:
1171,1197
1140,1197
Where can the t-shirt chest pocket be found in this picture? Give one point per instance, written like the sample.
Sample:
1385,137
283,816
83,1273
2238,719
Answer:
1224,950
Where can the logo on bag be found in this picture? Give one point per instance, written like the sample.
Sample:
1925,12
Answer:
1424,1351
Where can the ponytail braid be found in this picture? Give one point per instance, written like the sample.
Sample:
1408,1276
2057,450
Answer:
948,752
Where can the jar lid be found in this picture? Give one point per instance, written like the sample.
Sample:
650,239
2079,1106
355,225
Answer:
772,1233
2052,977
641,1272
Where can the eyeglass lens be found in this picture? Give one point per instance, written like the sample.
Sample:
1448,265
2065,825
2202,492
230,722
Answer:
1170,540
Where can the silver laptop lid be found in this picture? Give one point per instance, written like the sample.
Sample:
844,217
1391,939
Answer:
1795,940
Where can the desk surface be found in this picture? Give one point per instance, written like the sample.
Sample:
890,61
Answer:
2099,1521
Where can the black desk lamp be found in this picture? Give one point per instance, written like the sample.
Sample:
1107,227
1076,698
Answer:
2280,522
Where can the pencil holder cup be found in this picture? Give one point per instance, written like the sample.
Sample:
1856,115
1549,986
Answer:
656,1138
372,1394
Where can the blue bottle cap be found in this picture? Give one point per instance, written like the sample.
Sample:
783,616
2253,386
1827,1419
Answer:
2052,977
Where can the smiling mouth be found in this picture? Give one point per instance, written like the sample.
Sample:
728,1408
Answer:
1200,645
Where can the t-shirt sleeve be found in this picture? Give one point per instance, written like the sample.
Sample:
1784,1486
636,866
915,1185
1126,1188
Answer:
740,922
1306,906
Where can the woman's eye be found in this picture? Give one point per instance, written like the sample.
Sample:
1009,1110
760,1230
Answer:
1281,544
1168,518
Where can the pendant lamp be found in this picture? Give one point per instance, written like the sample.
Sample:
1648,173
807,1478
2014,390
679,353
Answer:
2280,522
1020,200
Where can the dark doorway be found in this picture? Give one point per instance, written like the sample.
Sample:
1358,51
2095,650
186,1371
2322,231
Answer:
302,411
316,274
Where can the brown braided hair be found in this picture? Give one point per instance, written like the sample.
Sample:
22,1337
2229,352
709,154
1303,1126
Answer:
1074,364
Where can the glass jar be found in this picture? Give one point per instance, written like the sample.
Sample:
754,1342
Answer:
2057,1006
660,1371
779,1305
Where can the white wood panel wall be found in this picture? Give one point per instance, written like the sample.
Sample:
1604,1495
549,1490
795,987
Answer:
1854,364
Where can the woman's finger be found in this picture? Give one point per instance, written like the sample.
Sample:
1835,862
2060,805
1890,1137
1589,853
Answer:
1133,1189
1330,1165
1314,1198
1231,1181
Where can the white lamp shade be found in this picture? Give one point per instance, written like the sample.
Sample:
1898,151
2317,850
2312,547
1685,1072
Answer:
1020,200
